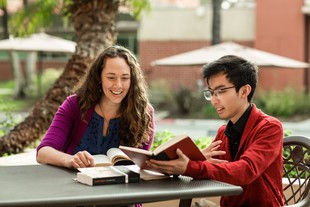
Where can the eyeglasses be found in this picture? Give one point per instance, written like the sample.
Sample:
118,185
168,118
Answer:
208,93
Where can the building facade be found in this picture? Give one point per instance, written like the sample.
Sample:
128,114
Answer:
278,26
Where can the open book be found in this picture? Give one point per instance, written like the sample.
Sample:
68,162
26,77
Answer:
114,156
166,151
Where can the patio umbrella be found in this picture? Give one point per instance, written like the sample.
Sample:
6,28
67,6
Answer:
40,42
35,43
209,54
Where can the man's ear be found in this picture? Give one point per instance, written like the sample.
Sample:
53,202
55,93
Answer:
246,90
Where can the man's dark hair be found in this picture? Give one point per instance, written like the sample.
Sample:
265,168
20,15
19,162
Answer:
238,71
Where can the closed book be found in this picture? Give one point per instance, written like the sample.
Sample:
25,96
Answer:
166,151
106,175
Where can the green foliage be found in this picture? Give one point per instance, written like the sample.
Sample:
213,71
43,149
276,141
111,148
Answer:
191,104
293,170
184,100
9,103
7,124
3,3
288,132
35,16
203,142
40,14
162,137
284,104
209,111
137,6
161,95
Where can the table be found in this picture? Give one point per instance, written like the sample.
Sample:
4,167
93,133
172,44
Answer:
44,185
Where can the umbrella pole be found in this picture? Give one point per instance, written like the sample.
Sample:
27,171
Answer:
39,76
18,79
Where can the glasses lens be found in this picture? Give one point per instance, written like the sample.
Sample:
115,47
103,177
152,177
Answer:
207,94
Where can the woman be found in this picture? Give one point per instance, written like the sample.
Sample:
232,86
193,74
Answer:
110,108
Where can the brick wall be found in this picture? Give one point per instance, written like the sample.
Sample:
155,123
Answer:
176,76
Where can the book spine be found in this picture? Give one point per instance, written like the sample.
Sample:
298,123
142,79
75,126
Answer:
91,180
110,180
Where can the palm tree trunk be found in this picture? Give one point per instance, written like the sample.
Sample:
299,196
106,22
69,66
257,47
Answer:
216,21
94,24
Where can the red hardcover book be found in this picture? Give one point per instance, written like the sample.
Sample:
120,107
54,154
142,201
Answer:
166,151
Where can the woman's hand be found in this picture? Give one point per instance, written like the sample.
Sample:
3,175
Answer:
51,156
81,159
212,150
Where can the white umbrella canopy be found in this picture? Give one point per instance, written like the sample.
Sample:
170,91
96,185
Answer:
39,42
212,53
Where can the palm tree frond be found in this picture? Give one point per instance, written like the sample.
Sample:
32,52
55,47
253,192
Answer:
34,17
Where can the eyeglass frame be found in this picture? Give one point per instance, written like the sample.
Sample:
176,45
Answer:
215,92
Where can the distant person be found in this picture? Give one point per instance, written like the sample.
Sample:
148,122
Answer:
251,139
111,108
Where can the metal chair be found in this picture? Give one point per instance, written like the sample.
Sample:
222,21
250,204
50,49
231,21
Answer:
296,170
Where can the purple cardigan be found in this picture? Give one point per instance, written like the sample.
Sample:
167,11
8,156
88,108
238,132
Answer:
67,128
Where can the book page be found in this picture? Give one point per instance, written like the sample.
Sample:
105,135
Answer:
116,155
137,150
102,160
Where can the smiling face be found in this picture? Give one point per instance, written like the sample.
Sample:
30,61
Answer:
228,104
115,80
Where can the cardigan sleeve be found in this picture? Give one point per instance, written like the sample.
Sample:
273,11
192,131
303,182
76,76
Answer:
59,131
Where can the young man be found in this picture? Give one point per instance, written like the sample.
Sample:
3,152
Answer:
252,140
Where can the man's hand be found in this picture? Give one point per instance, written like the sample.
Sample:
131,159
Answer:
171,167
212,150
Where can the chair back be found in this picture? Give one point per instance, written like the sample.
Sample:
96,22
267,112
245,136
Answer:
296,164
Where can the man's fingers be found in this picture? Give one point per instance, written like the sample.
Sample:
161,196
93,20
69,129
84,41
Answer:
217,161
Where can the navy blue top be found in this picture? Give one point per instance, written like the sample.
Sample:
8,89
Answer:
93,140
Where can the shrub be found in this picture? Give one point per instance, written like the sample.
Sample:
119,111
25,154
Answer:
161,96
284,104
184,100
162,137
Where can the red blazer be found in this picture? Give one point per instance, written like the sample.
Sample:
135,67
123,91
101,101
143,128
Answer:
257,167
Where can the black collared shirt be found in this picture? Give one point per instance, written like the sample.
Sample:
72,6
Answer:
234,131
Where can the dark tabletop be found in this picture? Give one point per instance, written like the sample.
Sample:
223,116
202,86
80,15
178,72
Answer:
35,185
